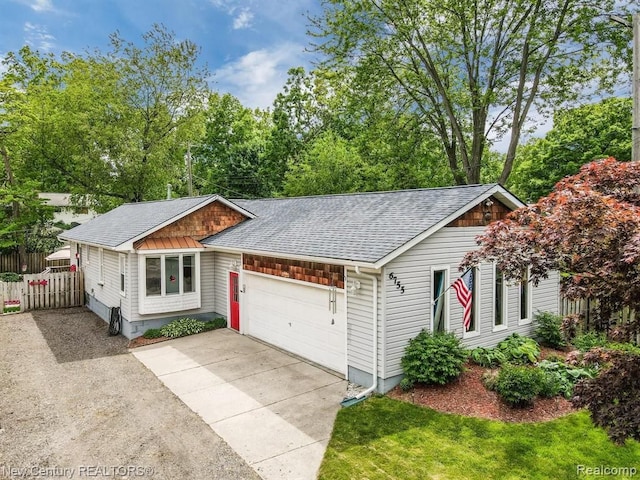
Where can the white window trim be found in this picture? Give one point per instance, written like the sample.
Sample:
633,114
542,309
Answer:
122,266
100,266
528,320
477,299
88,260
163,273
505,302
445,296
171,302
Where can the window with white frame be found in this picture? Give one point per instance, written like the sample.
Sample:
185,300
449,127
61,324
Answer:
474,323
169,274
499,299
101,266
525,298
439,302
123,273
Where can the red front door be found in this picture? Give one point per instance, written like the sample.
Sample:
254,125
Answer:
234,301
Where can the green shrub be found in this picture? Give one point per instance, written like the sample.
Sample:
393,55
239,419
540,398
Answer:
433,358
548,330
487,357
519,385
563,377
406,384
215,324
519,350
551,385
624,347
182,327
153,333
10,277
490,379
587,340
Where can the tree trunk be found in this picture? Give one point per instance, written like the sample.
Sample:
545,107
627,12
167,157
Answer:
15,206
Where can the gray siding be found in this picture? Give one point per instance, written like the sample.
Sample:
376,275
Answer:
107,293
359,323
207,281
546,296
409,312
221,269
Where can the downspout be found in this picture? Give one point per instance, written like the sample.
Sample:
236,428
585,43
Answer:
374,370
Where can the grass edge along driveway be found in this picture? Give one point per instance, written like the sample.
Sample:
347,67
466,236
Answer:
383,438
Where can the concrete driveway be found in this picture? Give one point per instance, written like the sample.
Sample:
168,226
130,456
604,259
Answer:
74,402
275,410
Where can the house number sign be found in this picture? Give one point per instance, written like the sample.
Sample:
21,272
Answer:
396,282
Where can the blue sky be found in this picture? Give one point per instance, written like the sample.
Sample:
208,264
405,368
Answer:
247,44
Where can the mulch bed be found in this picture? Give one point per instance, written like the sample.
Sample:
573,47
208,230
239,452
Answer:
141,341
468,396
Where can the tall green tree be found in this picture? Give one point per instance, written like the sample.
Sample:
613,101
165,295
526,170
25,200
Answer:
112,125
475,69
20,208
230,158
303,110
390,144
329,165
578,136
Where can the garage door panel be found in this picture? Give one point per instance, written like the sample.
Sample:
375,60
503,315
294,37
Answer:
297,318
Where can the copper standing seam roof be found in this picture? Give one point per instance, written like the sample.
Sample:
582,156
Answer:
167,243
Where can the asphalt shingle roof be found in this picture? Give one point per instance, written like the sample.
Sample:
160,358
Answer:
358,227
363,227
131,220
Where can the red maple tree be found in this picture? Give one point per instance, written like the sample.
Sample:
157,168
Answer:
587,228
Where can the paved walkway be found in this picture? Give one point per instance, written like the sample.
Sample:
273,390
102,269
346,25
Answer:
274,410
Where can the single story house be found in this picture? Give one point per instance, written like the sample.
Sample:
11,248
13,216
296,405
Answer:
342,280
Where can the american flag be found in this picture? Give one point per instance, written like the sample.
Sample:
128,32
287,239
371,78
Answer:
463,287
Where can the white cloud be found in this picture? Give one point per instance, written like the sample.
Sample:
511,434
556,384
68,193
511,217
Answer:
257,77
41,5
37,36
243,19
242,16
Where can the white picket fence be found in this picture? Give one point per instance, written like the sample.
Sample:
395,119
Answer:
42,291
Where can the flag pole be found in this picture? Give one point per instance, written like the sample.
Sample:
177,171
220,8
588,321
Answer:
433,302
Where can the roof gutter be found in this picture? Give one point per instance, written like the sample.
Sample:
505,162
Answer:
304,258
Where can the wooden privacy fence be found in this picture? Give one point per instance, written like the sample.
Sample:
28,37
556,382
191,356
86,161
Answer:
35,262
44,290
586,308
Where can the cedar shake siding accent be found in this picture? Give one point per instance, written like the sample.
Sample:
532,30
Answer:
202,223
476,216
312,272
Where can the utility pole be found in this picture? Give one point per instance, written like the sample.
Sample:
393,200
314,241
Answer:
635,86
189,172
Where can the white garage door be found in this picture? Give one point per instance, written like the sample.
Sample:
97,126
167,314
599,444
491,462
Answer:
296,317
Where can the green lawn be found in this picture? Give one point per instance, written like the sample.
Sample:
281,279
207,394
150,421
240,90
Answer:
386,439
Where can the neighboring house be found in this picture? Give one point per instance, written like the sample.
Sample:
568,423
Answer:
342,280
65,210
